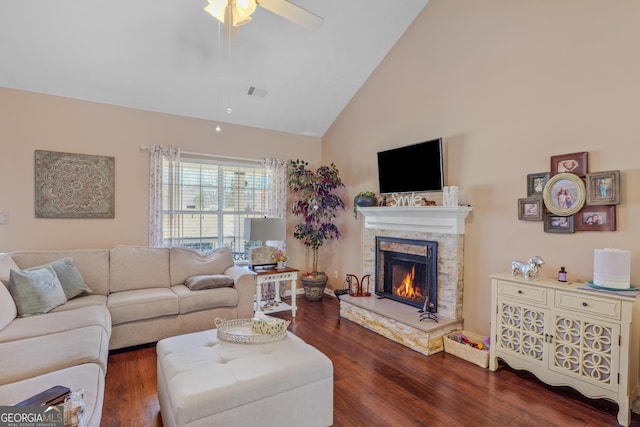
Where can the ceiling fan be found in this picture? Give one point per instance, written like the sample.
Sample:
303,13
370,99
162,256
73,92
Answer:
238,12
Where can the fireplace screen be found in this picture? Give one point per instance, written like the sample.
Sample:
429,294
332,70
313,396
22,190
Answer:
406,271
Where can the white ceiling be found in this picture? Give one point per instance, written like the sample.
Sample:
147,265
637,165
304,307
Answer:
163,55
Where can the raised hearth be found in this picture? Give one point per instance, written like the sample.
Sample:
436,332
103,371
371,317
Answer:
397,321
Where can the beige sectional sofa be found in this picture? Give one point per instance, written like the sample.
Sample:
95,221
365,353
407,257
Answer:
138,295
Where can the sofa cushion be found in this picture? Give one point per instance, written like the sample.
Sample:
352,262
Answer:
188,262
93,264
140,304
87,376
208,281
70,278
6,265
40,355
54,322
82,301
206,299
139,267
8,310
36,291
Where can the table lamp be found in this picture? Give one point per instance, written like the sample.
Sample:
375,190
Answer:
262,230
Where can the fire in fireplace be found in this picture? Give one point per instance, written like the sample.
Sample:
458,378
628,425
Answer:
406,271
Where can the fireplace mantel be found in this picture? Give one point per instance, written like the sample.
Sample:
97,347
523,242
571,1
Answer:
429,219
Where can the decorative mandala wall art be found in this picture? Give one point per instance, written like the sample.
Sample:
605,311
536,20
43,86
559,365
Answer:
74,185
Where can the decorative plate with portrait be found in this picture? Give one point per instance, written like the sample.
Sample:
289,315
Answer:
564,194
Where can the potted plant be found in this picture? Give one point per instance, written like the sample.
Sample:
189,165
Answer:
364,198
317,205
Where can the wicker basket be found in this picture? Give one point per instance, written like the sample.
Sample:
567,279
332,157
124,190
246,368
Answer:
466,352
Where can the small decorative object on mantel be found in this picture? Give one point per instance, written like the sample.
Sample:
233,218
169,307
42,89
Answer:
450,196
528,270
364,199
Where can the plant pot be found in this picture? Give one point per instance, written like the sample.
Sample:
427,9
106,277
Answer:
365,201
314,286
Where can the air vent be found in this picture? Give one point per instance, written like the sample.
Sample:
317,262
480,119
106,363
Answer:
254,91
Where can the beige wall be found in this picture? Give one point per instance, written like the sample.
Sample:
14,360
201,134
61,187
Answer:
30,122
507,84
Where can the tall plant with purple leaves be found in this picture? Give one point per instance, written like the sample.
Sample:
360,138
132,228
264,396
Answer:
317,204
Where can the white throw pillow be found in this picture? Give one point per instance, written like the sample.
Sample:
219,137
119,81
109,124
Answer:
6,265
8,310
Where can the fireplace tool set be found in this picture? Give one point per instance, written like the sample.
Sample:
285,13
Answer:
427,311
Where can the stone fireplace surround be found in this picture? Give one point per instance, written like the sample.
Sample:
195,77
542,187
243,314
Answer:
400,322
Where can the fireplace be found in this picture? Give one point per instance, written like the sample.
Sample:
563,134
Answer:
407,271
397,321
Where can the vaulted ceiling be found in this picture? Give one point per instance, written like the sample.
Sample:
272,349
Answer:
166,56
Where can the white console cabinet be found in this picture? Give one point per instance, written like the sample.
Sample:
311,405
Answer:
567,336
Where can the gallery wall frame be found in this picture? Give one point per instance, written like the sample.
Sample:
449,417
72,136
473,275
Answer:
69,185
530,209
564,194
558,224
603,188
536,183
596,218
576,163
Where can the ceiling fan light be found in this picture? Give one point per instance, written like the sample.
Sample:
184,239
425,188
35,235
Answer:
216,8
245,7
238,18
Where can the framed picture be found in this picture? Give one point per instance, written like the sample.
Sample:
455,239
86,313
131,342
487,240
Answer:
535,183
603,188
596,218
564,194
576,163
71,185
530,209
558,224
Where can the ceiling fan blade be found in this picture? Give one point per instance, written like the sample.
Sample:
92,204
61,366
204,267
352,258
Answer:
293,13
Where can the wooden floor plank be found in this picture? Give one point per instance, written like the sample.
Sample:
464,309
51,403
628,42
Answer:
378,382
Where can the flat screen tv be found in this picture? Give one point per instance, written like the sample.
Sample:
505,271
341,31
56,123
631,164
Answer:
413,168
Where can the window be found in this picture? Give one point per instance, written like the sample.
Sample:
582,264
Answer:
213,201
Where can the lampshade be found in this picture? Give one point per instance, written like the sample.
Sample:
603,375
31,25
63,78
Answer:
263,229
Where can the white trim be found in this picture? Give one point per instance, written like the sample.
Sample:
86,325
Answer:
429,219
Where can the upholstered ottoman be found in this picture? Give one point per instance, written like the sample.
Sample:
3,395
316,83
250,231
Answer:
203,381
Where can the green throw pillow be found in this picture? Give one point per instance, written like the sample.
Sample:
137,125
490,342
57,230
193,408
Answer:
70,278
36,291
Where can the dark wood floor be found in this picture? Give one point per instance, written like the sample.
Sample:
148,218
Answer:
381,383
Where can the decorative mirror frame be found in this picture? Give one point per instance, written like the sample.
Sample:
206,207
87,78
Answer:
567,181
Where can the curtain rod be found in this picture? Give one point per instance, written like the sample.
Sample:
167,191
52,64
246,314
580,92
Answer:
246,159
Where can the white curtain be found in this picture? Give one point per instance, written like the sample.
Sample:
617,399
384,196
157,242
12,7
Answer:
158,153
276,203
275,207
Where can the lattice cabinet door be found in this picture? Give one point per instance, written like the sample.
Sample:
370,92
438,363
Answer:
521,330
586,349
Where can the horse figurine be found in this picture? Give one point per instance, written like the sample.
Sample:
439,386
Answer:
528,270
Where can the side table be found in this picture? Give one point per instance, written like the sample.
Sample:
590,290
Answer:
276,275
